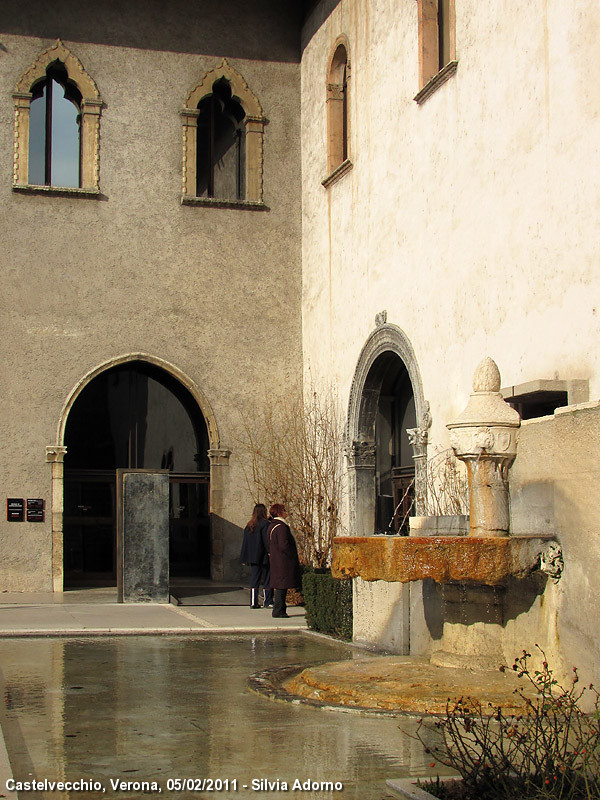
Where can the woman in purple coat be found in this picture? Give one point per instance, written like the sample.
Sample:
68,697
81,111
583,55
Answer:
283,557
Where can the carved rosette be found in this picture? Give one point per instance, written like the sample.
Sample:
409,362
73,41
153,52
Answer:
485,437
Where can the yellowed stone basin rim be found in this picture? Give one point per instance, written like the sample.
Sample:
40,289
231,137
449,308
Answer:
407,685
445,559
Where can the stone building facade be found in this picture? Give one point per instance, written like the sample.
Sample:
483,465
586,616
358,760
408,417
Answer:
130,272
462,222
416,188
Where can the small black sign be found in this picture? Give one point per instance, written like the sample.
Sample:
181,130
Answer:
35,509
14,509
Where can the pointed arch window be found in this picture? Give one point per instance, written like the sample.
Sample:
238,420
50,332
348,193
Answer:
220,157
57,126
223,128
54,130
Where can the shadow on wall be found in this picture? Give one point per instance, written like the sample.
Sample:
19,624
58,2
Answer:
467,604
267,30
225,551
318,13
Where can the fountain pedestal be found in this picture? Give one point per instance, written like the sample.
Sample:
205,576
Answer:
484,436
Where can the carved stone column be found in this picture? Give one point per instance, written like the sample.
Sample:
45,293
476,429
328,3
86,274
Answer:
189,117
419,438
90,143
361,475
484,436
219,458
22,102
254,158
55,455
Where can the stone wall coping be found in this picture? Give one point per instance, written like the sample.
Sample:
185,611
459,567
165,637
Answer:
561,411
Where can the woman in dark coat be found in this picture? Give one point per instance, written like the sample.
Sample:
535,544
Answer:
255,553
283,555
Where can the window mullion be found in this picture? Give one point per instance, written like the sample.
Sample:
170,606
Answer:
48,148
211,153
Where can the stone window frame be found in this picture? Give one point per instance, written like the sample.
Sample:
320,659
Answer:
255,124
432,75
338,112
91,107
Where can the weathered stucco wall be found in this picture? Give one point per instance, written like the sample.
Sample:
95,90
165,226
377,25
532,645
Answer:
213,291
472,218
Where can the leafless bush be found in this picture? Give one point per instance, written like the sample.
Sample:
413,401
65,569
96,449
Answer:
552,750
447,486
291,453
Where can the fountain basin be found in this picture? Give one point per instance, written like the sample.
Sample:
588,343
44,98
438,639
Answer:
405,685
445,559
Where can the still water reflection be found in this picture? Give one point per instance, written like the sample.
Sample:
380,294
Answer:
154,709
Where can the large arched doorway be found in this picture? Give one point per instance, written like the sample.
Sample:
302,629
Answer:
137,416
386,399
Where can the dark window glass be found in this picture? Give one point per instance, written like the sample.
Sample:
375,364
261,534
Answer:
220,162
54,131
136,417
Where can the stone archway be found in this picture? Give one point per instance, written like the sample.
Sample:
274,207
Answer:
385,342
55,454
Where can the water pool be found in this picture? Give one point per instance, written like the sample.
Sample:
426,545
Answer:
159,709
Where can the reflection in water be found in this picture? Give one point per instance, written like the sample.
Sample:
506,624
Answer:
154,709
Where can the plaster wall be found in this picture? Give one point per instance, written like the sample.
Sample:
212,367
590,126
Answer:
472,219
213,291
555,482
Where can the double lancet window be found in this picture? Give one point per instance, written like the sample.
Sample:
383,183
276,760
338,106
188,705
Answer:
54,130
222,141
57,124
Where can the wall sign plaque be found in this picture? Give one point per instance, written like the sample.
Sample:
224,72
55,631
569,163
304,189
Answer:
14,509
35,509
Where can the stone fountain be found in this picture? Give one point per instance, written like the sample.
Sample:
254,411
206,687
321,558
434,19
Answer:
485,437
465,603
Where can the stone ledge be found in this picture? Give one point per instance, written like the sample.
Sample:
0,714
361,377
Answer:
59,191
213,202
444,559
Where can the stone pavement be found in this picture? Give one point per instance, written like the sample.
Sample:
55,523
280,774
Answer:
204,607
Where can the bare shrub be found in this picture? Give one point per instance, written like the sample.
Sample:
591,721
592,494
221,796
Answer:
291,453
447,485
550,751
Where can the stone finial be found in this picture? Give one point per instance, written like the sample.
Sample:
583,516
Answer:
487,376
486,405
484,436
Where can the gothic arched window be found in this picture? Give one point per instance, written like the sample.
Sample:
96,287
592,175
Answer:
220,160
57,126
223,127
55,130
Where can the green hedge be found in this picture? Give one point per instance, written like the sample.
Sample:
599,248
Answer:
328,603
